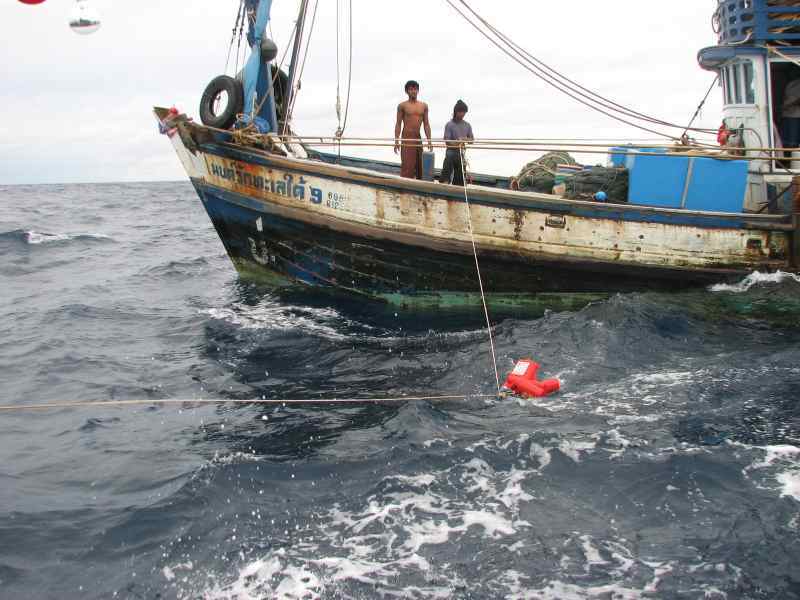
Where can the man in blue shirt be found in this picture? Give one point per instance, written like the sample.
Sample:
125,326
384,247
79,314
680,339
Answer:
456,133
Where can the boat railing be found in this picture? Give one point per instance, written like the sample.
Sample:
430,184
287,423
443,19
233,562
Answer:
757,21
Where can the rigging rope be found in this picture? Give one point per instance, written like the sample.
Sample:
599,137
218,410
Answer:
557,74
240,53
700,106
777,52
233,34
478,266
560,87
560,82
341,126
338,74
349,71
290,108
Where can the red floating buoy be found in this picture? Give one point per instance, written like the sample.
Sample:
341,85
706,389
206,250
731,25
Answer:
31,1
522,380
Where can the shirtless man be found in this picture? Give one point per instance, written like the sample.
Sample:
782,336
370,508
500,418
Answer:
411,114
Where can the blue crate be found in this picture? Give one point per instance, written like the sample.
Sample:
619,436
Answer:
717,185
657,180
713,184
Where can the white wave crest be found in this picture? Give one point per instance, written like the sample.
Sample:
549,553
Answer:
36,238
786,458
383,538
754,279
268,316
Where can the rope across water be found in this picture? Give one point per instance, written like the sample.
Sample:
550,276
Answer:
217,401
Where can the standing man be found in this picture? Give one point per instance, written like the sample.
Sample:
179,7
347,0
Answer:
456,133
790,132
411,115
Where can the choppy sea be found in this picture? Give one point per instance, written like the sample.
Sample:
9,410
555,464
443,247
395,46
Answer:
668,467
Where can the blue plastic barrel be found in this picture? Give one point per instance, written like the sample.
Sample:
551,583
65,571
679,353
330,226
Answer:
428,164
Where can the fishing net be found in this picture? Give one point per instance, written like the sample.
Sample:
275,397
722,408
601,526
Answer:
540,174
585,184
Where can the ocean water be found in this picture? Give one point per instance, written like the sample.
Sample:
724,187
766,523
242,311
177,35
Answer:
668,467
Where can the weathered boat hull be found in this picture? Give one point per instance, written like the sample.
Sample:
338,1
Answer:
273,239
374,234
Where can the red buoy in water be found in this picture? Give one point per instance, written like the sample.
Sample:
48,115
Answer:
31,1
522,380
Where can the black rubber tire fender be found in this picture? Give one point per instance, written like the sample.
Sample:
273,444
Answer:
235,105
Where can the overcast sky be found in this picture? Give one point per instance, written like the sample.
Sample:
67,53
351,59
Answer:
78,108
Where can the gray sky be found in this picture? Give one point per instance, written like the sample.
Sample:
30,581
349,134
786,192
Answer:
78,108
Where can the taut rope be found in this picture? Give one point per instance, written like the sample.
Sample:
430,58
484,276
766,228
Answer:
262,401
478,267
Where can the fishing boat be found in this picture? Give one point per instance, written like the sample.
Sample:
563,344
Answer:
294,213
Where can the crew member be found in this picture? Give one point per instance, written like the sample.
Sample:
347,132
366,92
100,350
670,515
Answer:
791,115
411,115
456,133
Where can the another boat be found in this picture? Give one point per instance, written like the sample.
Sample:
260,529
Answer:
293,215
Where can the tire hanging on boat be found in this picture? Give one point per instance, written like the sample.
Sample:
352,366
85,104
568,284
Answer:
234,106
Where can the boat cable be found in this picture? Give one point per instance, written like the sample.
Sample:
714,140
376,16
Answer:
700,107
780,54
478,266
247,19
580,145
556,142
593,103
699,153
574,85
262,401
295,92
233,34
342,125
549,81
349,71
338,79
695,151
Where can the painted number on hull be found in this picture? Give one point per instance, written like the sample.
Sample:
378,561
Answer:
335,200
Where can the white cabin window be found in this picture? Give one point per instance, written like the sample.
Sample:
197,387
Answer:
739,83
749,83
723,82
729,97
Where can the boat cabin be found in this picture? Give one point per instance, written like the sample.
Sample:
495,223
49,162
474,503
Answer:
757,56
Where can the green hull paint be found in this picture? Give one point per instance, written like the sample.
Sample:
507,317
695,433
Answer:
529,304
